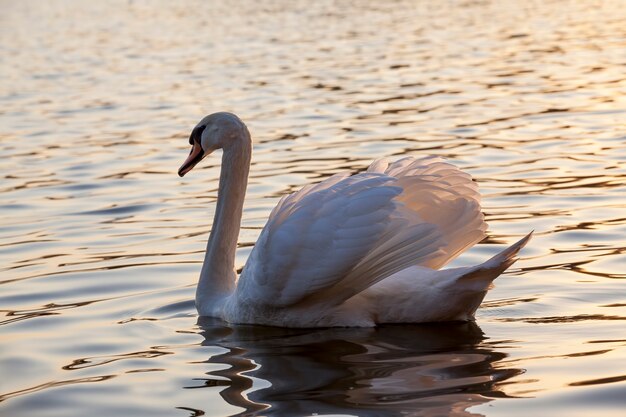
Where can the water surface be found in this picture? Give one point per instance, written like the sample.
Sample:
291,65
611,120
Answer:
101,242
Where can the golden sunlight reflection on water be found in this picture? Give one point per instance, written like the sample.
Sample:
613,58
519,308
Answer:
102,242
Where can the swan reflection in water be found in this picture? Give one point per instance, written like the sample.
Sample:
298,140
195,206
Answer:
425,369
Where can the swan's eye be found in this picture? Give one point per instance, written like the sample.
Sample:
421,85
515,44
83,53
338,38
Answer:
196,134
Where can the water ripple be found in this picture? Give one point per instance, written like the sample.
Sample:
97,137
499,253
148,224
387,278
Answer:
102,242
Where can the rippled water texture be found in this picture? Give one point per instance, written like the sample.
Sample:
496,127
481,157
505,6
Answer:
101,242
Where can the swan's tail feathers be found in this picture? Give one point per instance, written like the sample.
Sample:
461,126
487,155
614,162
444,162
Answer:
481,276
507,257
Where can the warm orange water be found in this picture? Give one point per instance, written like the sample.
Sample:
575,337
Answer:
101,242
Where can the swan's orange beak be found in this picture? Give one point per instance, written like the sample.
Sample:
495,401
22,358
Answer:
194,157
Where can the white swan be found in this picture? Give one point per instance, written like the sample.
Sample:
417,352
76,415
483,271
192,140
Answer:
352,250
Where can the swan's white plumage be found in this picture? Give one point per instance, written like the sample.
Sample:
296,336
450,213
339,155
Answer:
328,242
352,250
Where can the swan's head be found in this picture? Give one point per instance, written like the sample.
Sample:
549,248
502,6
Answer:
216,131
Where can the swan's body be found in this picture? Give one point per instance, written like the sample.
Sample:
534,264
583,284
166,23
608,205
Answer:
352,250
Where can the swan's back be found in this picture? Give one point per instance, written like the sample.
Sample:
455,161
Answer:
331,241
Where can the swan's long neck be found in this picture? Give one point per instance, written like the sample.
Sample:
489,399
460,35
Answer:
217,279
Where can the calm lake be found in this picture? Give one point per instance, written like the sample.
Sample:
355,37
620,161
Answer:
101,243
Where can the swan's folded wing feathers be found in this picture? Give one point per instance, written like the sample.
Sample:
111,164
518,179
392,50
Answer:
332,240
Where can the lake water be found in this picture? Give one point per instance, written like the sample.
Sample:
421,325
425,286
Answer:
101,242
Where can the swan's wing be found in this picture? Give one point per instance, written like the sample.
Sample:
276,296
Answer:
440,194
330,241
